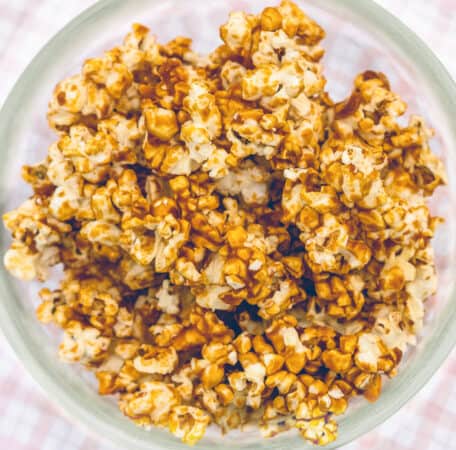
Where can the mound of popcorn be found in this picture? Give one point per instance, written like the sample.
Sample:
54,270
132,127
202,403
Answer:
236,247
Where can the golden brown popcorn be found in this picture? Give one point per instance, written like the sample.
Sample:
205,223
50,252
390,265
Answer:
318,431
36,240
284,297
155,360
202,129
344,294
83,344
160,122
330,248
127,134
151,404
110,72
236,248
53,308
371,111
237,32
247,180
188,423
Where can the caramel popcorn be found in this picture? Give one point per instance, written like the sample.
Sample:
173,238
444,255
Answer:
236,247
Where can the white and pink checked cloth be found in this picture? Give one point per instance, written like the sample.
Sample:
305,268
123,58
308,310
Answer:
29,421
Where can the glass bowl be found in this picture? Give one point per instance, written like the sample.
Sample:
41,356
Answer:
361,35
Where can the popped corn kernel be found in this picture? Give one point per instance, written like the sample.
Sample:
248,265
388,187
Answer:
188,423
156,360
160,122
153,402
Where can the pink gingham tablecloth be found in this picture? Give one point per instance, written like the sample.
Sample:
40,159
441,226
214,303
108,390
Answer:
29,421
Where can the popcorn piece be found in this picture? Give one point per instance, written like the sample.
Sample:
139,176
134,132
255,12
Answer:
153,402
237,32
369,352
188,423
156,360
36,241
248,180
318,431
161,122
25,265
167,301
82,343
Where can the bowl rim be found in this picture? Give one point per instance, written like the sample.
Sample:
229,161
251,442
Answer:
403,39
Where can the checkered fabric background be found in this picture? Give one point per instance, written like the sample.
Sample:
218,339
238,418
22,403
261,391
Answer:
29,421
